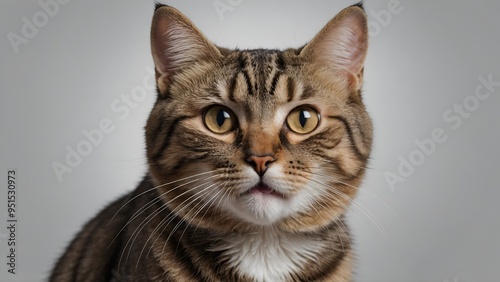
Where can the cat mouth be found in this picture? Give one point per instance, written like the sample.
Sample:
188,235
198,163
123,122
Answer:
265,190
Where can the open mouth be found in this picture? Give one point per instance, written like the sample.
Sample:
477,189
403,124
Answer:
262,188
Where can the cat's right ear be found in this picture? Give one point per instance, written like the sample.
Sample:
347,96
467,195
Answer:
176,44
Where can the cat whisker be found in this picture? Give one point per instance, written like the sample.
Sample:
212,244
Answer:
151,216
151,189
335,225
369,194
182,219
335,222
151,203
138,212
208,202
169,219
217,206
335,180
332,178
222,199
366,212
334,199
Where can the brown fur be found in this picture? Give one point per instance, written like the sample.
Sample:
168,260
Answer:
166,230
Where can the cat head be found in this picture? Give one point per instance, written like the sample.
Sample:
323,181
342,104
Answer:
244,138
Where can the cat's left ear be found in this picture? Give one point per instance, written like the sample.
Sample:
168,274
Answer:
176,44
342,45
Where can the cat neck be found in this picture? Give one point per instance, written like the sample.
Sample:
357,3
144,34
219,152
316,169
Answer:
269,254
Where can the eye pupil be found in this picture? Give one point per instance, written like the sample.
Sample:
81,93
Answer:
221,117
303,117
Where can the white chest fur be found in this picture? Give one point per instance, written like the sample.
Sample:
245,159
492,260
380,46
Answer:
269,255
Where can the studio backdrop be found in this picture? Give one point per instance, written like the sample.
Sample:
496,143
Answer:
77,84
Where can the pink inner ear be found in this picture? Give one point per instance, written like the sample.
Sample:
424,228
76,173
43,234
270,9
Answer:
345,45
160,44
342,45
176,43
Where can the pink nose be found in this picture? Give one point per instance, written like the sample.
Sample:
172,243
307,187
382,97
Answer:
260,163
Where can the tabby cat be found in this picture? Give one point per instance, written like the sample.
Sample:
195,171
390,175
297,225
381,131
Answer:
254,157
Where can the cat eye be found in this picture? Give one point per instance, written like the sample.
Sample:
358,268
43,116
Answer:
302,120
219,119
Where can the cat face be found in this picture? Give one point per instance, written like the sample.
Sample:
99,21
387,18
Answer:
240,139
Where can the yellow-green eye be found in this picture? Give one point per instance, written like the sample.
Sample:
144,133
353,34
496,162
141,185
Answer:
219,119
302,120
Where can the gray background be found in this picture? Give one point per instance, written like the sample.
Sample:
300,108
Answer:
440,224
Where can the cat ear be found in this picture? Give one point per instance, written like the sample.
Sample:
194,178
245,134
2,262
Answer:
342,44
176,43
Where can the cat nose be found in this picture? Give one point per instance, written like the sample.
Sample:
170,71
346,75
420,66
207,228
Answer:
260,163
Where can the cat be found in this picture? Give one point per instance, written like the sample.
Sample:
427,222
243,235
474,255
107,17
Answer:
254,156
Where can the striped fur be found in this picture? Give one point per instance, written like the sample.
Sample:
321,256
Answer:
197,215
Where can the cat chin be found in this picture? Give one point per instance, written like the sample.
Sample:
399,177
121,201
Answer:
258,208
